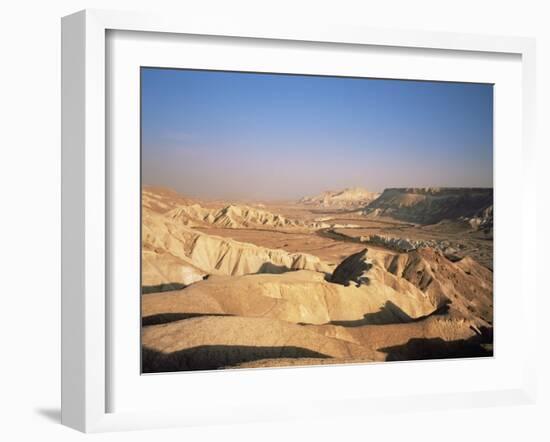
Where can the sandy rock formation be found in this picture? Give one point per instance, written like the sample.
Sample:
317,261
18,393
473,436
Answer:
299,297
350,198
163,271
163,239
217,342
466,286
416,305
430,205
237,217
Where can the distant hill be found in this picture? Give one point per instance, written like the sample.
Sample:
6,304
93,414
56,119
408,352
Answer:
350,198
237,217
161,199
430,205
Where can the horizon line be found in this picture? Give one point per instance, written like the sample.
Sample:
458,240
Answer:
144,186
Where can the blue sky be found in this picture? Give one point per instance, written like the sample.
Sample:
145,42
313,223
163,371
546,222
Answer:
261,136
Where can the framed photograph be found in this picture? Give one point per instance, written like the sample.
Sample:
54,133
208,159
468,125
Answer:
280,222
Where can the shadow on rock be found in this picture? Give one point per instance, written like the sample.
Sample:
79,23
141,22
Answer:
212,357
166,287
390,313
165,318
480,345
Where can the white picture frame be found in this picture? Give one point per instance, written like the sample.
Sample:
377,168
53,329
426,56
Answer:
85,208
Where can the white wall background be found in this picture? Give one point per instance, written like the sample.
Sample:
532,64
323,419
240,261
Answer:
30,214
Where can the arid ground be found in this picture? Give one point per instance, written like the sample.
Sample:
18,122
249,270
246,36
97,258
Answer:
340,277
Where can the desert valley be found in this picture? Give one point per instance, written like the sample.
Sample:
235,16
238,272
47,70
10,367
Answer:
340,277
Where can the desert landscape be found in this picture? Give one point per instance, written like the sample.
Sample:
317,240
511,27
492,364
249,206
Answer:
342,277
298,220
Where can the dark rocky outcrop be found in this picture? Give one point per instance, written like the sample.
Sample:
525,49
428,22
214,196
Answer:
431,205
353,269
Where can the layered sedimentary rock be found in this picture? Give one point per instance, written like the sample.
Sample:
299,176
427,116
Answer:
431,205
237,217
176,253
299,297
350,198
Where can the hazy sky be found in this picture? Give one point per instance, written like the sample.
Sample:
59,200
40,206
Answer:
261,136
